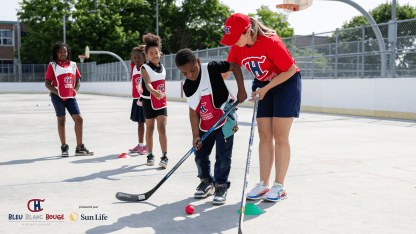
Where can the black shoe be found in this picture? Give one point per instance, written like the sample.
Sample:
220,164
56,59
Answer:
163,161
150,160
204,190
64,149
220,195
82,151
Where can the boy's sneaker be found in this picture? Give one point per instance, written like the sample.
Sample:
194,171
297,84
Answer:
64,149
163,162
139,149
220,195
82,151
204,190
150,160
258,191
276,193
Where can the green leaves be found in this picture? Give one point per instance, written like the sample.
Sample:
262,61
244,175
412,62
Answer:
274,21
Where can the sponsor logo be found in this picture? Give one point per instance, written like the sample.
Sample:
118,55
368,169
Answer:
73,216
35,203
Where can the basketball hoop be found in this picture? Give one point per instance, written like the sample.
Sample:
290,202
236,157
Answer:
87,54
82,58
284,10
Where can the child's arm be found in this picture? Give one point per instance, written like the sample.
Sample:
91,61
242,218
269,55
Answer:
48,84
77,84
132,52
157,93
241,94
194,118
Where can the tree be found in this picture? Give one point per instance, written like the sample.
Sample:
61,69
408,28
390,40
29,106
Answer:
193,25
273,20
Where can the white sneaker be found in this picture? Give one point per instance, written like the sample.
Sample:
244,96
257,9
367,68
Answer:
258,191
276,193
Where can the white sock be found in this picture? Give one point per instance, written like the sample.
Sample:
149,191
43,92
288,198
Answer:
141,144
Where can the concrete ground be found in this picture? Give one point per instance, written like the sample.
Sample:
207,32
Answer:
347,174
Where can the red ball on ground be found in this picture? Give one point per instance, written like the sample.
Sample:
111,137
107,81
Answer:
189,209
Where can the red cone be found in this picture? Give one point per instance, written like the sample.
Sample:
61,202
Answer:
124,155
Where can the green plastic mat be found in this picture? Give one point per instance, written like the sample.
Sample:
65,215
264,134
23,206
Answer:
252,209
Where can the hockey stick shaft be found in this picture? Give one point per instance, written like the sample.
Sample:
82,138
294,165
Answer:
145,196
247,171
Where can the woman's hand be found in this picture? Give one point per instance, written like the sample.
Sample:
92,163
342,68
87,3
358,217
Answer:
261,92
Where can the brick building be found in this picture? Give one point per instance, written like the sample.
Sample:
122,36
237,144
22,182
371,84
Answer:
8,44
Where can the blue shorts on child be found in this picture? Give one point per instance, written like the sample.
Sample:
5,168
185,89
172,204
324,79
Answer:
70,104
281,101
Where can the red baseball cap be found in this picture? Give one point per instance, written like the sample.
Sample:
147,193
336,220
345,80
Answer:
234,26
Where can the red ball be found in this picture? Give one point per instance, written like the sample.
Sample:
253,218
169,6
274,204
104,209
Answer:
189,209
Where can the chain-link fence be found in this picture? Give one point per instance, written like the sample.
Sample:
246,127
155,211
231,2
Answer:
347,53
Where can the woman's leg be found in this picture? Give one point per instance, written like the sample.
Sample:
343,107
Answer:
61,129
266,148
281,130
78,128
150,127
161,128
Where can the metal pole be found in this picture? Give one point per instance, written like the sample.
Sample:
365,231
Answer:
157,17
313,54
393,10
19,44
64,30
363,50
393,39
336,53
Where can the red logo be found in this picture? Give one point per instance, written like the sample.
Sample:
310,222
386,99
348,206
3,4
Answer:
36,205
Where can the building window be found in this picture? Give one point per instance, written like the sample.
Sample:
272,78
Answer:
6,66
6,37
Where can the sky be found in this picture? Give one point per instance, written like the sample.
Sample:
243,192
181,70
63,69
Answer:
322,16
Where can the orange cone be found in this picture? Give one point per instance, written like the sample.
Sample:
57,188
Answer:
124,155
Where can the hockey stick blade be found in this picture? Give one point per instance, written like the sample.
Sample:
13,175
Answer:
142,197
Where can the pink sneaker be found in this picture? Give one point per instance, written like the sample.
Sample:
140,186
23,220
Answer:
143,150
139,149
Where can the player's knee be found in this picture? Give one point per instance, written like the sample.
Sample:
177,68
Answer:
161,129
281,141
61,122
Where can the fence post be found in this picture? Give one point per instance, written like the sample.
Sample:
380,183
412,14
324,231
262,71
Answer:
363,51
171,69
313,54
336,53
218,52
292,49
393,40
33,72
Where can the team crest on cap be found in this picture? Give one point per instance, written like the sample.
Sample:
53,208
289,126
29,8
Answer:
227,29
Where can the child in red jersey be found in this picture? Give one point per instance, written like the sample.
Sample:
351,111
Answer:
138,58
63,81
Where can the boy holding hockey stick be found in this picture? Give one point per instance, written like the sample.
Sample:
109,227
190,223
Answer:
208,99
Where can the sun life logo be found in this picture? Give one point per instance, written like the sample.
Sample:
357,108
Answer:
73,216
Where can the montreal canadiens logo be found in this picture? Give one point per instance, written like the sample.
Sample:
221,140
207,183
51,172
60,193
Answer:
202,108
253,64
161,87
137,80
227,29
67,79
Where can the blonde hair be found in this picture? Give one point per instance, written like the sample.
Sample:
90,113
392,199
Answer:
258,28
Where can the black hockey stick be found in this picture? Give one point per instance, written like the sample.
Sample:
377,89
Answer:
250,146
145,196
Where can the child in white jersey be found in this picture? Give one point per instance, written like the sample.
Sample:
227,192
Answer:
63,81
137,60
154,97
208,99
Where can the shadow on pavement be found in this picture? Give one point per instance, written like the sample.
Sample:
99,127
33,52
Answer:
172,218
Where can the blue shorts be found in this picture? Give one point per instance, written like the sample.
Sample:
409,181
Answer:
70,104
281,101
137,114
